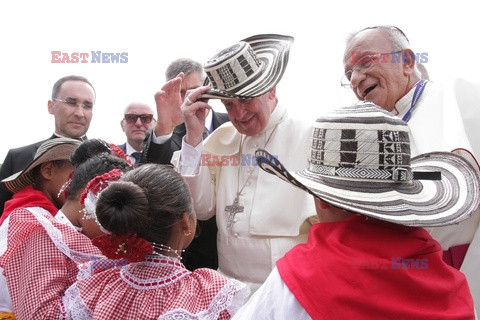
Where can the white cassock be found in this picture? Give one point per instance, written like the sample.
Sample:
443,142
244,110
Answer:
440,122
275,217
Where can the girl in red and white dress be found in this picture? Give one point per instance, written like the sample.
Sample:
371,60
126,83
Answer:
43,255
150,217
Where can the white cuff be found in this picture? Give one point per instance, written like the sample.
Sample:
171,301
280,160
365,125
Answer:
161,139
190,158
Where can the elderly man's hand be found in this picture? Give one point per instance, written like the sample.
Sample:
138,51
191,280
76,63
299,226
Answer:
194,114
169,101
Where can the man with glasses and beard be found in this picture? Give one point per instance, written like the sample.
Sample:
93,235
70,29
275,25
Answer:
71,105
137,121
379,66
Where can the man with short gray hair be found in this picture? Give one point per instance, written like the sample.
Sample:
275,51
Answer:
166,138
170,129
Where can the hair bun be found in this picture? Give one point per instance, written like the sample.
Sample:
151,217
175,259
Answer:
88,149
122,208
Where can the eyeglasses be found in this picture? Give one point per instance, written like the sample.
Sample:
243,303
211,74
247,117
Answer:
364,64
74,103
132,118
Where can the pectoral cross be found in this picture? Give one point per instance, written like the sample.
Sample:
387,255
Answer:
232,210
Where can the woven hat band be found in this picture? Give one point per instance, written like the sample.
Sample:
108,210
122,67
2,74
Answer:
365,149
395,175
232,67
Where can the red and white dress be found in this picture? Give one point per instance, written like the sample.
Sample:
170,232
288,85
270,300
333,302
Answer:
41,258
158,288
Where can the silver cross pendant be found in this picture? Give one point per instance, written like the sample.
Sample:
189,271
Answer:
232,210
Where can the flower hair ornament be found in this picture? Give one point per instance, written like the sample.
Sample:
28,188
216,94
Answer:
117,151
94,187
129,247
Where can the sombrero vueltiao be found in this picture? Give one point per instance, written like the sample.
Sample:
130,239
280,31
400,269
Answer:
248,68
360,161
52,149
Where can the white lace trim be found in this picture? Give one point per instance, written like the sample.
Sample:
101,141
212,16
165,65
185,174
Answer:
238,294
84,270
75,308
83,260
232,296
155,283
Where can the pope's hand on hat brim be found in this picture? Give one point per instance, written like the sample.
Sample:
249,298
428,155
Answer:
194,113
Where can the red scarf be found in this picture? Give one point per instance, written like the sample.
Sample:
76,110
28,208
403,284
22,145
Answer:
25,198
360,269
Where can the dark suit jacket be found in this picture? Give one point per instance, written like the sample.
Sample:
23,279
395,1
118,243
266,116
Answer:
162,153
16,160
202,252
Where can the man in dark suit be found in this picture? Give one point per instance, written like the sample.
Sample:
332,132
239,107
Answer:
71,105
166,138
137,120
169,130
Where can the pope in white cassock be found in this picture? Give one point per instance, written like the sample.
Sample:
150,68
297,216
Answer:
258,219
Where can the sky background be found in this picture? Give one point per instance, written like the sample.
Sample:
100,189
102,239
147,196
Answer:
154,33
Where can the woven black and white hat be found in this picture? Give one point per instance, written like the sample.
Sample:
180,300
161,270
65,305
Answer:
360,161
52,149
249,68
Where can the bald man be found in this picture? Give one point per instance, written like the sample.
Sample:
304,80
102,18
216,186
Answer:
137,121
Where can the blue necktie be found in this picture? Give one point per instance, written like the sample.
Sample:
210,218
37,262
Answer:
136,156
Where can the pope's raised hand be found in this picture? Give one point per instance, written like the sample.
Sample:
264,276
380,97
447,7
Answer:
194,113
169,101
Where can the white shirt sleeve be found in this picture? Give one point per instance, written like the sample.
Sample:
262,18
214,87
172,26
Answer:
273,300
161,139
190,159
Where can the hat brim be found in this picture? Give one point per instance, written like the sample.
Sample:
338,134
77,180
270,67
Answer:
423,203
20,180
273,51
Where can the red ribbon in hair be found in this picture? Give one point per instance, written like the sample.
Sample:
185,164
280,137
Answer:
99,183
116,150
129,247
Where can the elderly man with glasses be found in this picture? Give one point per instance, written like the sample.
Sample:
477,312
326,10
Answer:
379,66
136,123
71,105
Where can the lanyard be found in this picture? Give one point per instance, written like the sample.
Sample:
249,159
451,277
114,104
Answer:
416,95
